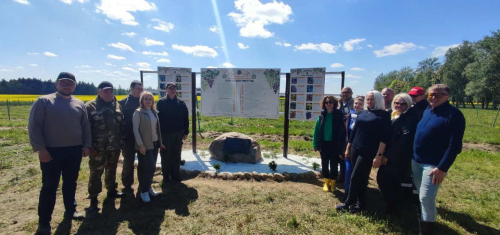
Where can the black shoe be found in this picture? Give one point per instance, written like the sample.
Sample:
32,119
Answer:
74,216
43,230
115,194
175,180
128,189
426,228
342,207
357,209
93,205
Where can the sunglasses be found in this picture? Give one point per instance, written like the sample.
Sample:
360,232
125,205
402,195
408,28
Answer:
436,95
328,102
399,103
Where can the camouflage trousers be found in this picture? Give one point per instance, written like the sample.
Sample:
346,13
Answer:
103,160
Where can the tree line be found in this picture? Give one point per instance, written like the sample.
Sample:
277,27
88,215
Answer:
472,70
34,86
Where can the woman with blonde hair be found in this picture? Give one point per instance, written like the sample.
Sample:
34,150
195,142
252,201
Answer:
329,139
366,146
396,161
146,126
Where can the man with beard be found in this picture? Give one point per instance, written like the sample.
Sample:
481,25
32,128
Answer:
59,131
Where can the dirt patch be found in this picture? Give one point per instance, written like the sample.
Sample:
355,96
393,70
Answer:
483,147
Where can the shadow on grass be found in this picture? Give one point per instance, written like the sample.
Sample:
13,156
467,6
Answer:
466,222
142,218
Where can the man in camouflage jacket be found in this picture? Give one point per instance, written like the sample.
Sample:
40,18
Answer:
107,129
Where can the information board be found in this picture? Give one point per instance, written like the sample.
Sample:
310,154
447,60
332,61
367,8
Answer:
237,92
182,79
307,88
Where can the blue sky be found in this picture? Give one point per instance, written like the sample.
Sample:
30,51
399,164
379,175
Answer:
113,39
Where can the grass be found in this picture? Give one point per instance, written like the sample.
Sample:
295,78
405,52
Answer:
467,201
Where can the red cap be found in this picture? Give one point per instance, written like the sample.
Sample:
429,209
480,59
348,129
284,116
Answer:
417,91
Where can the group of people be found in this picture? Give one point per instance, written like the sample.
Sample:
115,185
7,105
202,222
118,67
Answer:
62,129
407,134
397,134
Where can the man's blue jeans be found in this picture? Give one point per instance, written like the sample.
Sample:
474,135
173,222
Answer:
427,191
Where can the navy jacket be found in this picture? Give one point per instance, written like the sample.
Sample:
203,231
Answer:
173,115
438,139
371,128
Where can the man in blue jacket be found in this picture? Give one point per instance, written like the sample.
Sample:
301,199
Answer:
438,141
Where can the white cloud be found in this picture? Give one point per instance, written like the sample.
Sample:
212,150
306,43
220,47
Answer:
115,57
441,50
6,70
253,16
164,53
421,47
352,76
337,65
228,65
34,65
19,67
129,69
369,45
395,49
357,69
214,29
25,2
151,42
242,46
129,34
83,67
163,60
212,67
121,9
162,25
49,54
108,22
353,82
143,64
351,43
71,1
33,53
198,50
321,47
121,46
283,44
109,64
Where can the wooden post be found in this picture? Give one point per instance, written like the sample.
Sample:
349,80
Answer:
287,116
142,78
194,100
8,108
343,79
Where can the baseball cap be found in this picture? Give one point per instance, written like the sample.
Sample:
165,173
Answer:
417,91
105,85
66,75
170,84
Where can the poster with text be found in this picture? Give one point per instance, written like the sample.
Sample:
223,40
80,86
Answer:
235,92
307,88
182,79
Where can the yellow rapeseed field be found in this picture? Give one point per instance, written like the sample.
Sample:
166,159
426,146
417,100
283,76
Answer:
32,98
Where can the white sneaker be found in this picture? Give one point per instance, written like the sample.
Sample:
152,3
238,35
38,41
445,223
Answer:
152,192
145,197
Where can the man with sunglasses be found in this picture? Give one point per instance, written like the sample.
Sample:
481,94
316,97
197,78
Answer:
59,131
107,127
420,102
438,141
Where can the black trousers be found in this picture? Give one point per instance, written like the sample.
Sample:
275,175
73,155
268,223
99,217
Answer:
147,167
329,160
171,156
128,152
66,162
389,183
363,162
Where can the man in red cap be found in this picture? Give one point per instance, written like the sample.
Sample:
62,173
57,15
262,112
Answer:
420,103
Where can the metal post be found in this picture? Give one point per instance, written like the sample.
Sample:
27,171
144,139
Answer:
8,109
142,78
287,116
343,79
194,99
496,116
198,117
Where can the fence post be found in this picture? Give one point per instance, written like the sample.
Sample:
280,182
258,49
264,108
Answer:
8,108
287,117
496,116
